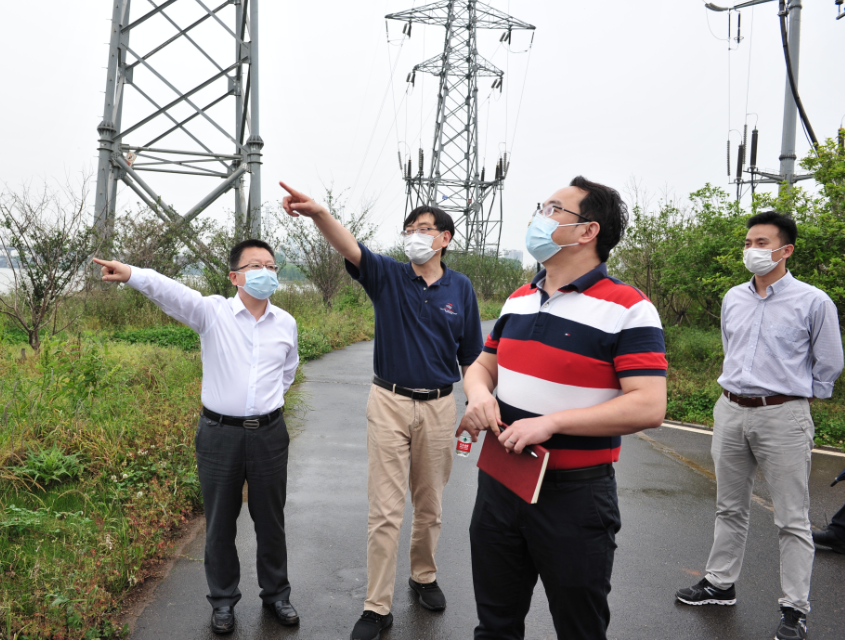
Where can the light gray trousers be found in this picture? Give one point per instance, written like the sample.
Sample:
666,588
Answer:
779,439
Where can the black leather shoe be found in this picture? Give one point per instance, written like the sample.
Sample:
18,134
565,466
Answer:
370,625
827,538
431,596
284,612
223,620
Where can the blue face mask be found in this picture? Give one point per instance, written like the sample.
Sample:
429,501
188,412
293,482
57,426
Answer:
538,239
260,283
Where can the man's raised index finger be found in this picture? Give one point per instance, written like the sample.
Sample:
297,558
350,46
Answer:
290,190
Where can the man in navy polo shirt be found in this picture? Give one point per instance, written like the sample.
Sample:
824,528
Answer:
578,359
427,325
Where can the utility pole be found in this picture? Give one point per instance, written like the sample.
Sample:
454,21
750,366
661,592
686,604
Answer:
790,109
454,181
787,157
177,135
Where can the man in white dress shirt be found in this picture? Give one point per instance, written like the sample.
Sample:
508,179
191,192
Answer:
249,357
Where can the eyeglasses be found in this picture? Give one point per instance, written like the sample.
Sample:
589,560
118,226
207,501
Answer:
406,233
549,210
256,265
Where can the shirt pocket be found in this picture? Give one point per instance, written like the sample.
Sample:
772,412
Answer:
785,342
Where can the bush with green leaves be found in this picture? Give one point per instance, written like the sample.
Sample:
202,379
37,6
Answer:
685,258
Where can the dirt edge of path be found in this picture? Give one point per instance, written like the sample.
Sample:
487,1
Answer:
154,572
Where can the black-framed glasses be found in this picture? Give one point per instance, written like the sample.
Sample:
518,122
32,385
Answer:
257,265
405,233
549,209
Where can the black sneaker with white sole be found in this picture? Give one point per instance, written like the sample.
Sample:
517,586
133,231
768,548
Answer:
793,625
370,625
705,593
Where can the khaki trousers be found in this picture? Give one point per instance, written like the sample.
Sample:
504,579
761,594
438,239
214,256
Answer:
778,439
409,443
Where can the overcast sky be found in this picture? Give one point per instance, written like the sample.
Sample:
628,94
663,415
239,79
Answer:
614,90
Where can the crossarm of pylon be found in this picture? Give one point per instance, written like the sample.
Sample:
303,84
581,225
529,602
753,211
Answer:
183,32
437,13
184,97
434,66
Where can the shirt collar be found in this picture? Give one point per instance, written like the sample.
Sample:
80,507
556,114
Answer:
775,287
445,279
579,284
238,306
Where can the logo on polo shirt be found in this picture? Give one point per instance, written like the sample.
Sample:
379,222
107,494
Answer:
449,308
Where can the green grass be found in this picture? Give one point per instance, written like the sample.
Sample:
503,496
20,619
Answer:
96,452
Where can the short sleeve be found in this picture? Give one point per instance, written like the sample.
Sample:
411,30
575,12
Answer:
491,345
640,347
370,273
471,341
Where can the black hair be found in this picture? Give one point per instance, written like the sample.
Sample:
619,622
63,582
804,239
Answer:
442,220
787,229
605,206
238,249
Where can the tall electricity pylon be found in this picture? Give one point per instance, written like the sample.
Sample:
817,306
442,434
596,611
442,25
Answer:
455,183
176,134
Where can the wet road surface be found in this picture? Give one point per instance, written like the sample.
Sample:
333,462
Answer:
666,499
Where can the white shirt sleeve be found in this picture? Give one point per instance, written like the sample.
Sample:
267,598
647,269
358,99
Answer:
291,362
181,303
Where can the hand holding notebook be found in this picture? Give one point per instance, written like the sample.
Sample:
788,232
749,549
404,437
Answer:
521,473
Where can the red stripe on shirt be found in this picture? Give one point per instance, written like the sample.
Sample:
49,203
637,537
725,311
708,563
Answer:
577,459
524,290
536,359
621,294
640,361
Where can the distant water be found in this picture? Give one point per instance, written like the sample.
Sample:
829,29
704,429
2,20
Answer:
7,279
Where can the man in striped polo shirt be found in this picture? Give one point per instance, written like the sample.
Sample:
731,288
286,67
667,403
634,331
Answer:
579,361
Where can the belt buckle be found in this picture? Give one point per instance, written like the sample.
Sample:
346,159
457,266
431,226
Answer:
420,394
253,423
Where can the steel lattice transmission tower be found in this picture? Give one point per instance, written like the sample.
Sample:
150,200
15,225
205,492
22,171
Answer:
455,182
182,133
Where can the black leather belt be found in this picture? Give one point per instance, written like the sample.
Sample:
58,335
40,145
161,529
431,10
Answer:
247,422
577,475
415,394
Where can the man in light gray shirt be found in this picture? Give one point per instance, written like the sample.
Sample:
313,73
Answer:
782,348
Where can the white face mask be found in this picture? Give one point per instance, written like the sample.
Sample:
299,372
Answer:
418,247
759,261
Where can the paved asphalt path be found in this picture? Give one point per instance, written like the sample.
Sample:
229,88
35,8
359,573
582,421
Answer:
667,503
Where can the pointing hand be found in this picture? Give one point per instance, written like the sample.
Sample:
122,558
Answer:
114,271
298,204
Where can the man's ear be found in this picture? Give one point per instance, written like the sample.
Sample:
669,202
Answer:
593,229
233,278
788,250
447,238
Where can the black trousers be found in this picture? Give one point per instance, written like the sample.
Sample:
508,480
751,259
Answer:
837,524
226,456
568,538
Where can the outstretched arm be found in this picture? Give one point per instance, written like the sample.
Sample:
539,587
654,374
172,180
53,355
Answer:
298,204
178,301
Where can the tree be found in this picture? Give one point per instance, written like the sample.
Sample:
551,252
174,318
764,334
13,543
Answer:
819,257
307,248
47,239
